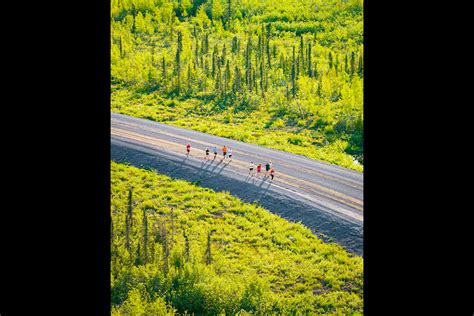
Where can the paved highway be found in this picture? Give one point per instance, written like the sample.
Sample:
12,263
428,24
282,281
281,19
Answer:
326,198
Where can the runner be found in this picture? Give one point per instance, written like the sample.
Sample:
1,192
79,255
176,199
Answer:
267,168
251,168
188,149
272,173
259,169
224,152
215,152
230,153
207,153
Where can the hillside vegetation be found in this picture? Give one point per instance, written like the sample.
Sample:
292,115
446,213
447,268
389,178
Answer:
179,248
283,74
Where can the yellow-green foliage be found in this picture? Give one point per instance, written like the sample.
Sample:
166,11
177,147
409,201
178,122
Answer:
191,89
260,263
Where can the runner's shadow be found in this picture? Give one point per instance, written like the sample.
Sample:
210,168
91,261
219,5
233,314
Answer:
217,165
262,191
248,177
222,168
206,163
204,170
181,163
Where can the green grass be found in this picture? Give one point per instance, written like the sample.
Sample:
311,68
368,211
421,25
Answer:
261,263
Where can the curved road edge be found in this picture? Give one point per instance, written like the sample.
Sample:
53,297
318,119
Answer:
327,226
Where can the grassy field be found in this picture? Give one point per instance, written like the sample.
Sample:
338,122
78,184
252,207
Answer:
180,248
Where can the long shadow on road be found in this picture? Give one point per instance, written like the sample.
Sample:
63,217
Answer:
325,225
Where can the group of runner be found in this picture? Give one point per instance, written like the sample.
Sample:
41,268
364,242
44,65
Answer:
227,152
268,169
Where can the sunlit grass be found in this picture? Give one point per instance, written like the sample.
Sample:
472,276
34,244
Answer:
260,262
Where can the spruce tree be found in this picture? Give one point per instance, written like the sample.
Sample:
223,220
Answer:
228,14
248,64
310,64
330,60
224,55
208,254
315,70
293,74
267,45
134,28
196,52
236,84
346,64
189,79
256,67
203,45
186,246
138,259
320,84
259,46
214,62
226,78
165,246
163,70
301,65
218,83
297,67
145,237
254,77
352,63
206,67
178,61
261,79
234,45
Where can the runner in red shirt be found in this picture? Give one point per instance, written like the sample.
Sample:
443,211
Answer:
259,169
188,149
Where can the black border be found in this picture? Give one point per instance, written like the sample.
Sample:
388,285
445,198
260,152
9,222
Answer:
55,220
415,233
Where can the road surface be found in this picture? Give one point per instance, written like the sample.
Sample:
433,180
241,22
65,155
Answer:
326,198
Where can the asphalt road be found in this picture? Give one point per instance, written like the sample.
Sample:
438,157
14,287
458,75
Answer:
326,198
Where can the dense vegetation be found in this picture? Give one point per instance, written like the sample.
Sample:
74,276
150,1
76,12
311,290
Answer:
285,74
179,248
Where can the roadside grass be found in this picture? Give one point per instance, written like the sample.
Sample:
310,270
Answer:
260,263
260,126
